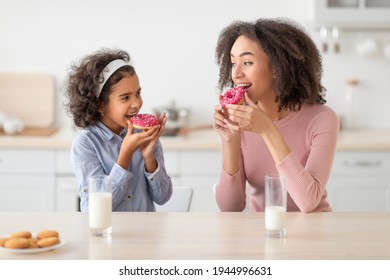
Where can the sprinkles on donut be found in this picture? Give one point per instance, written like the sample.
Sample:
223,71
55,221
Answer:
144,121
234,95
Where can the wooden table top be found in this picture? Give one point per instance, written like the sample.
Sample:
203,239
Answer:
208,236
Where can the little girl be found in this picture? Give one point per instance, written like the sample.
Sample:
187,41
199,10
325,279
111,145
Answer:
104,93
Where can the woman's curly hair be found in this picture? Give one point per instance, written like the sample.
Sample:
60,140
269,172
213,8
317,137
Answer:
292,54
83,83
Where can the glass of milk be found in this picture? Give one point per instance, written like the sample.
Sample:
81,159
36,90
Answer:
100,205
275,205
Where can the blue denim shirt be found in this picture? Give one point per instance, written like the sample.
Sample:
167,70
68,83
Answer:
95,151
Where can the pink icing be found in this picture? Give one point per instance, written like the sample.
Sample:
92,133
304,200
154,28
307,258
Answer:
145,120
233,95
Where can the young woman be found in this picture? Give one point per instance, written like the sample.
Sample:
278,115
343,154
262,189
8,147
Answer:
104,93
283,127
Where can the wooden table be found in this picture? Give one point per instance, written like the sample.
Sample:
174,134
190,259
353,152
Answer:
208,236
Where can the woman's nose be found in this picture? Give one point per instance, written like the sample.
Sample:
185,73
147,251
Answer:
237,72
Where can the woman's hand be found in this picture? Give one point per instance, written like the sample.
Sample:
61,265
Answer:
222,124
248,117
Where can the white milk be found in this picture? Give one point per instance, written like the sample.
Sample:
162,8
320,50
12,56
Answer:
275,217
100,208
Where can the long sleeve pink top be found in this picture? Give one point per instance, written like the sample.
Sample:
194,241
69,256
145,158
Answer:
311,135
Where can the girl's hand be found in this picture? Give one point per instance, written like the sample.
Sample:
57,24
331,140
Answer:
223,125
147,147
133,141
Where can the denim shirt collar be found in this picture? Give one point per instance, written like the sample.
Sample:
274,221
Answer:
107,133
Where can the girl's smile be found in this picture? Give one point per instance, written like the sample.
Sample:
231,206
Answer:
124,102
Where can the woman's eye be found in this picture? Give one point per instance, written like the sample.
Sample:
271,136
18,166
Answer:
233,64
248,62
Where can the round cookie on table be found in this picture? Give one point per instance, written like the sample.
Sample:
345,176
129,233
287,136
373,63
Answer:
47,233
144,121
17,243
234,95
48,241
2,241
24,234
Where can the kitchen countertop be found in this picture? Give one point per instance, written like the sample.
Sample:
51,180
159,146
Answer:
208,236
353,140
62,139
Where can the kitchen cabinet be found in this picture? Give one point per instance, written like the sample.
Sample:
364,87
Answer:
360,182
350,13
198,169
66,198
27,180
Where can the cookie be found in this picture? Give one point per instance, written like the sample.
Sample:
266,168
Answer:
33,240
47,233
24,234
2,241
33,245
48,241
17,243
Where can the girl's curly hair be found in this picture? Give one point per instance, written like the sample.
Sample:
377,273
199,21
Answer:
83,83
292,54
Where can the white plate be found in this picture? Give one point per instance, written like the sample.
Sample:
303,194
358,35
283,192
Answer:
35,250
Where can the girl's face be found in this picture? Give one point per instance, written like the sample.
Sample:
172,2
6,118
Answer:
124,101
250,68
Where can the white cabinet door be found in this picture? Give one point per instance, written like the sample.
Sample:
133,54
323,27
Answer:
200,169
203,199
360,182
27,180
27,193
360,194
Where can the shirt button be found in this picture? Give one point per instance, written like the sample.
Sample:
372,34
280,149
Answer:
129,197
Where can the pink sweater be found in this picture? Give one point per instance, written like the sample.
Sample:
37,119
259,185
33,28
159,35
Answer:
311,134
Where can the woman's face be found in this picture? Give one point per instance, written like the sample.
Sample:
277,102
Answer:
124,101
250,68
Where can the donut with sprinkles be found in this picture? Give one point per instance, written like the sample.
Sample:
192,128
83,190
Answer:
233,95
144,121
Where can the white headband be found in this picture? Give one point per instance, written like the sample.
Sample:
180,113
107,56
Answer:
108,71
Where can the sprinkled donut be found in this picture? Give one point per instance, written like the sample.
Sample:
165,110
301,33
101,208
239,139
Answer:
144,121
233,95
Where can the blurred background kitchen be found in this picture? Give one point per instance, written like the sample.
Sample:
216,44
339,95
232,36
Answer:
172,44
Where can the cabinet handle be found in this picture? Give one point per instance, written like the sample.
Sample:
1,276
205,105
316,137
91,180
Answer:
362,163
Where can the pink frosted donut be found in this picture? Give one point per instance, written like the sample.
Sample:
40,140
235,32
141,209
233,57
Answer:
144,121
233,95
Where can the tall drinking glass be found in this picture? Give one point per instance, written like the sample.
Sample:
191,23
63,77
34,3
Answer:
100,205
275,205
